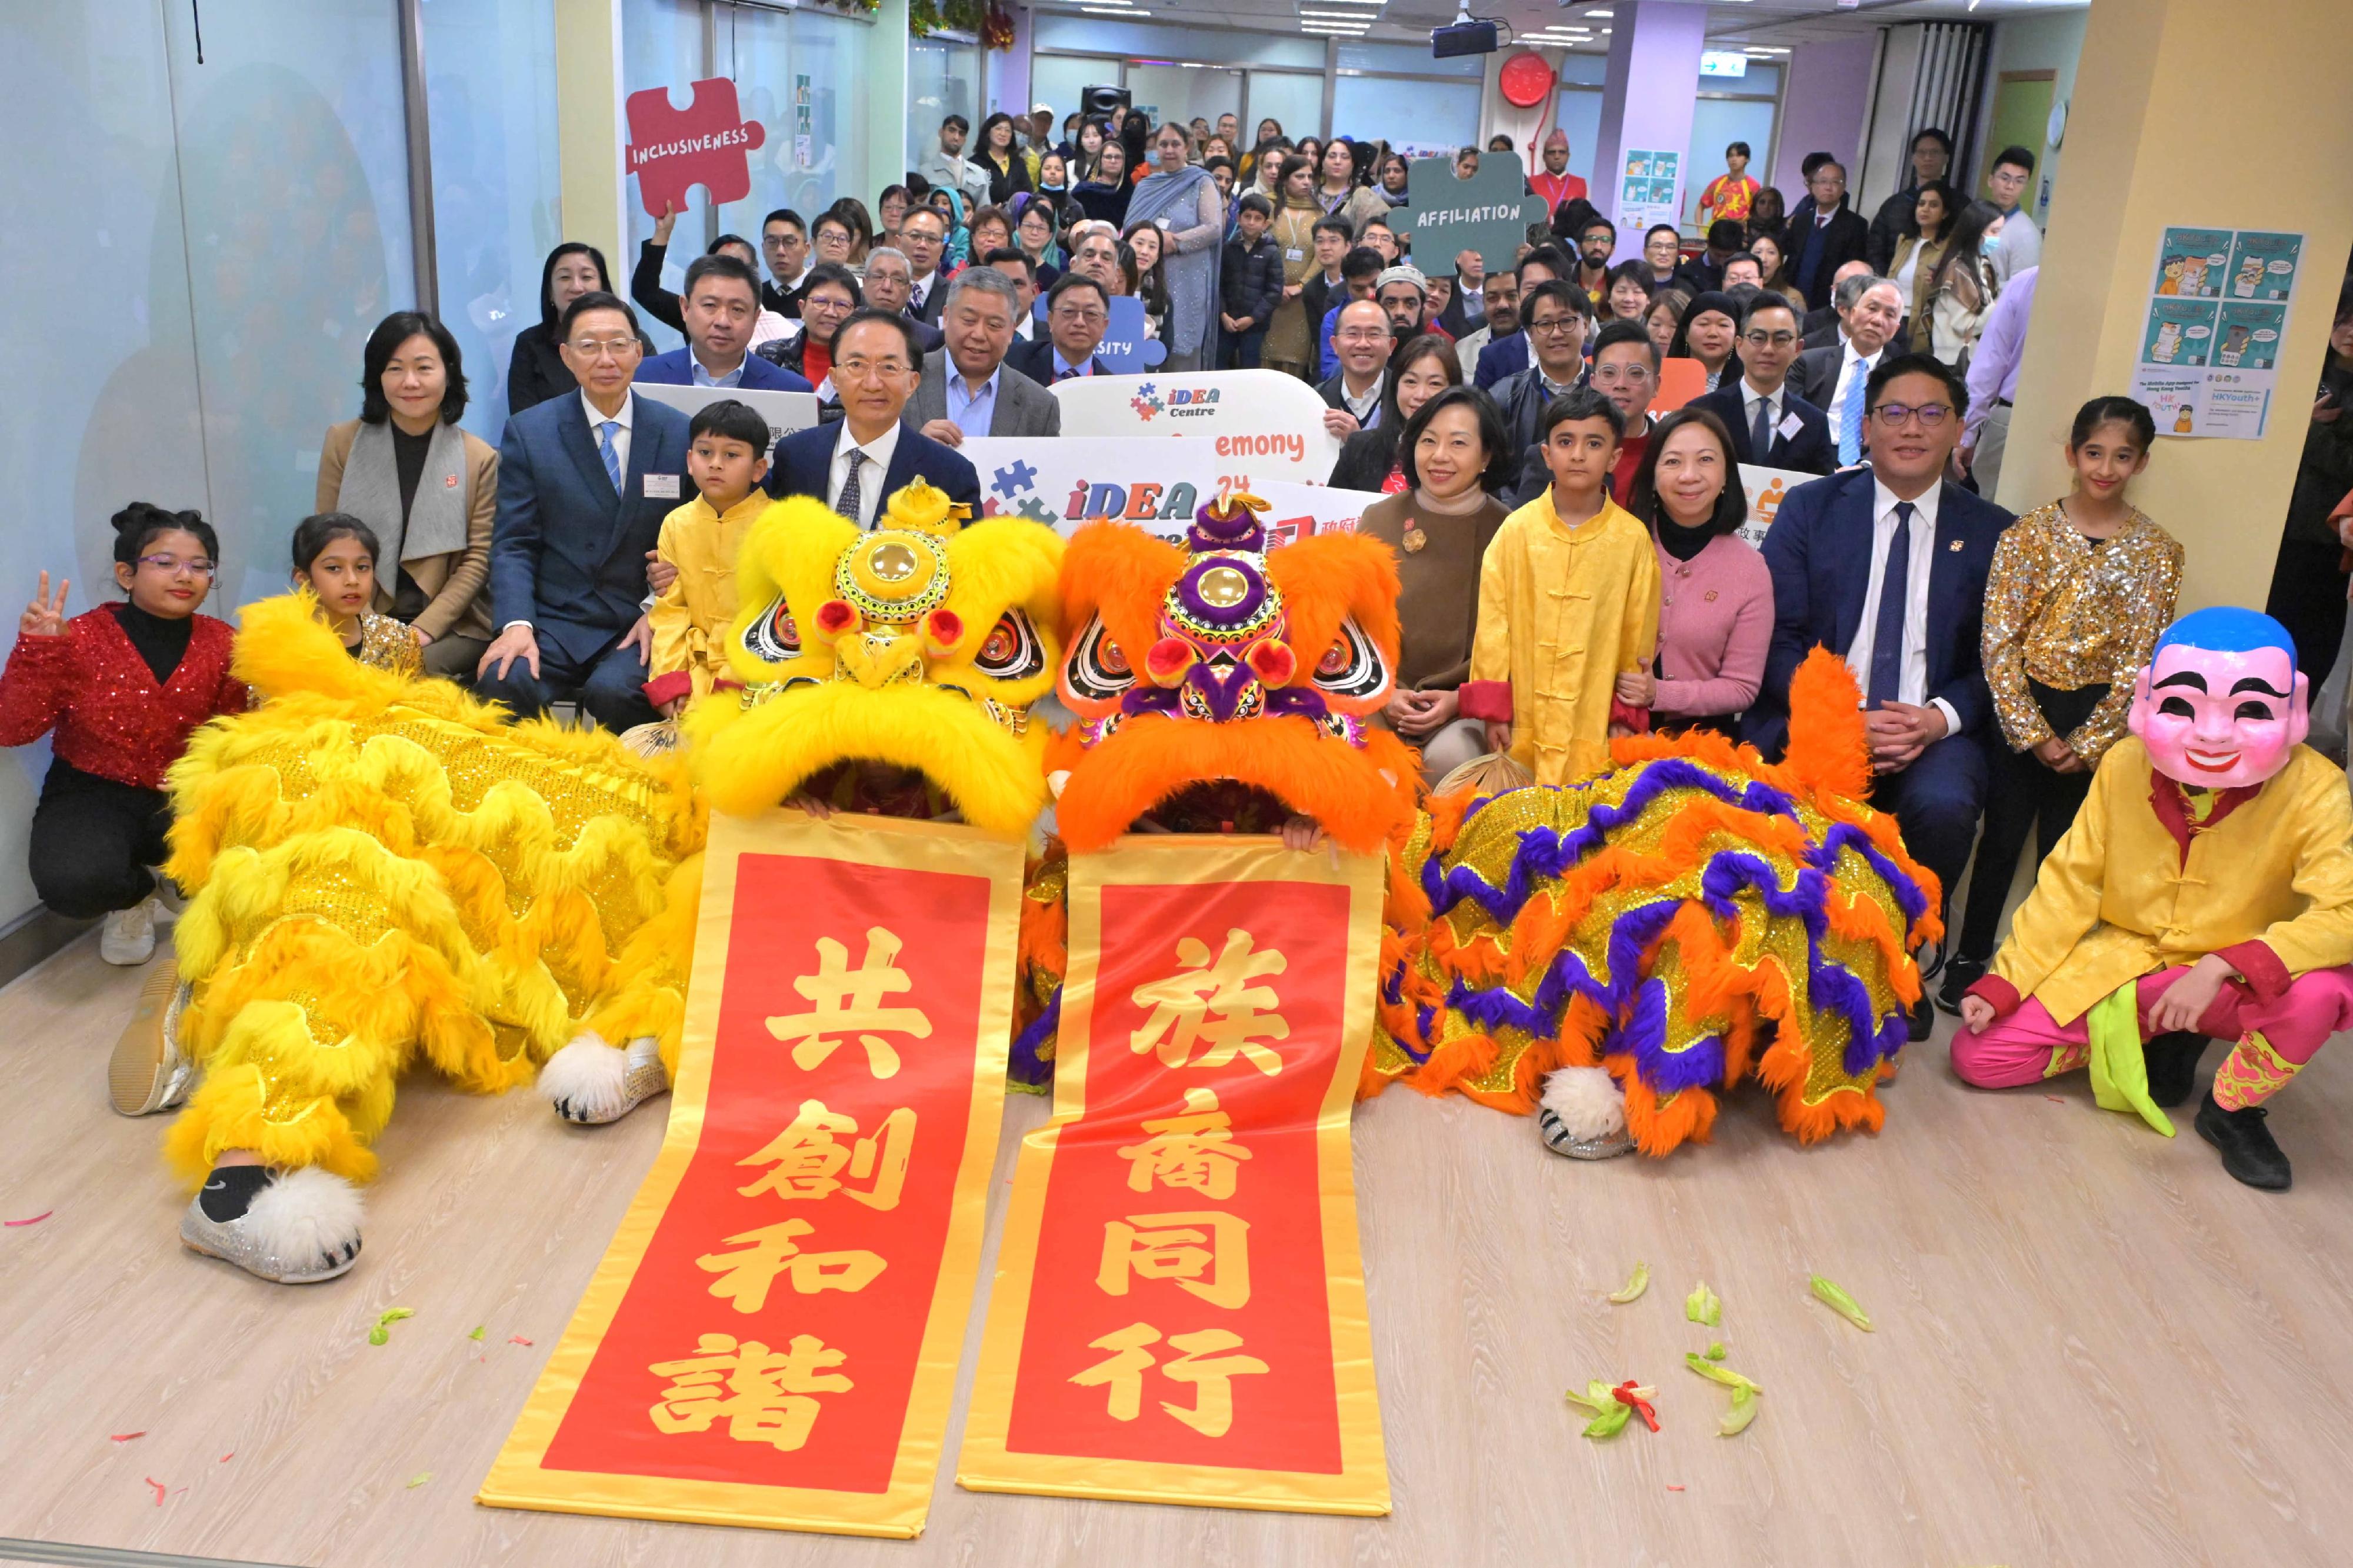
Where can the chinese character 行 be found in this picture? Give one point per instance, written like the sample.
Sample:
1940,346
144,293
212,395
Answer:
745,1275
807,1161
849,1000
1216,1005
767,1397
1202,1365
1195,1150
1205,1252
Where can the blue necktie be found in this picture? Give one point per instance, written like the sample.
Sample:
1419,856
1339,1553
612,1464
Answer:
609,452
1850,419
1760,435
1887,635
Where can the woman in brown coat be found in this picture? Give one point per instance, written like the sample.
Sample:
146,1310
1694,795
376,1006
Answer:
427,487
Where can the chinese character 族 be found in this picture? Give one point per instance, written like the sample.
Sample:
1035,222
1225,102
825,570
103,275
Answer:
1217,1003
772,1251
1202,1364
806,1160
851,1001
1195,1150
766,1395
1204,1251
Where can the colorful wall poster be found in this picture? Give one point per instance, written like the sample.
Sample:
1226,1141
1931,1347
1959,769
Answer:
2208,357
1649,192
2263,266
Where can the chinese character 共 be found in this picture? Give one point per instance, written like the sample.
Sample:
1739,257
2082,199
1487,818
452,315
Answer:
849,1000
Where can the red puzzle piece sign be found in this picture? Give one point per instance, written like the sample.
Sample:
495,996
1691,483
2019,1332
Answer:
706,145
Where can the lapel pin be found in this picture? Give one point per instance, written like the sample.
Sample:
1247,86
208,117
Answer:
1955,547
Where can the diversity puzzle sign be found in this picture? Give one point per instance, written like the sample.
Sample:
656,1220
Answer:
707,144
772,1339
1180,1308
2209,343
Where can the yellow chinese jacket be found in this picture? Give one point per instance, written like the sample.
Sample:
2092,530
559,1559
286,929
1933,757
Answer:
1562,612
2135,887
690,620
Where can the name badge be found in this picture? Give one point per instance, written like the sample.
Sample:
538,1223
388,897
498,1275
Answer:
1790,426
1294,254
661,486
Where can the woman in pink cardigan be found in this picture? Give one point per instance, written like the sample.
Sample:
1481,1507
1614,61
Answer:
1716,611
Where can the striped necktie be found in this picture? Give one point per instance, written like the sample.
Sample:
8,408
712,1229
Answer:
1851,418
606,449
851,495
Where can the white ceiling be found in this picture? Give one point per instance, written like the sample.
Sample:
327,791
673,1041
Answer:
1768,23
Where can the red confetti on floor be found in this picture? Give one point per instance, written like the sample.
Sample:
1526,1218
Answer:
123,1437
1673,1487
159,1490
224,1458
518,1339
2056,1099
13,1224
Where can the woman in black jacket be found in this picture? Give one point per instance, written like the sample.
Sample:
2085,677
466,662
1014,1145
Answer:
535,371
1419,372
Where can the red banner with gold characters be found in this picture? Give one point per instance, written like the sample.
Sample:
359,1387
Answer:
772,1339
1179,1306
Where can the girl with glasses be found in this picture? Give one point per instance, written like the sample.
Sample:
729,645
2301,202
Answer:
119,688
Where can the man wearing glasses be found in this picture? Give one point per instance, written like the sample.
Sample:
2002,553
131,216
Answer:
1626,370
584,485
857,464
1770,424
1353,397
1556,316
1886,565
1078,312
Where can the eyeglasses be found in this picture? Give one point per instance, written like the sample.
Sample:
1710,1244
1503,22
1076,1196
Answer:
1080,315
1621,376
1771,339
611,348
172,565
1556,324
1895,416
1361,335
867,369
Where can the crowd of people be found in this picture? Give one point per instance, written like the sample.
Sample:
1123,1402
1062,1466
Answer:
1569,551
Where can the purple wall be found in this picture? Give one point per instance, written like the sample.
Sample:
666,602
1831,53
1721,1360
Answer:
1821,109
1647,97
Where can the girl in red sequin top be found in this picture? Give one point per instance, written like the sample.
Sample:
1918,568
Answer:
119,688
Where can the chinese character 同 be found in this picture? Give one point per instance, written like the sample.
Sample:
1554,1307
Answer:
1214,1003
766,1395
807,1161
1202,1365
1195,1150
1205,1252
850,1000
745,1275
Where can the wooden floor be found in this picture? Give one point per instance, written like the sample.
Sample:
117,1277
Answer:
2091,1346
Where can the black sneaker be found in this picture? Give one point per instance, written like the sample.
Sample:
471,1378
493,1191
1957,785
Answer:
2173,1066
1922,1020
1960,973
2246,1146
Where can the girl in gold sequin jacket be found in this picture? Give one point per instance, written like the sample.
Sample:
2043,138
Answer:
334,557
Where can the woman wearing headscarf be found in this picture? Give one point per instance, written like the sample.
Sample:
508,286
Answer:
1180,200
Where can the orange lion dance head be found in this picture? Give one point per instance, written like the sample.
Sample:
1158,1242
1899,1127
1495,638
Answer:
1230,681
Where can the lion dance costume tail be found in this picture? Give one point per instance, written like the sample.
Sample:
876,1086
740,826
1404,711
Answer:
383,869
1660,920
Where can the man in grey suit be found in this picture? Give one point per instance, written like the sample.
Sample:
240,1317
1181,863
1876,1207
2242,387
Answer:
968,392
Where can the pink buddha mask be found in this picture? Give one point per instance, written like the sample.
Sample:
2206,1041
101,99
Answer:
2220,719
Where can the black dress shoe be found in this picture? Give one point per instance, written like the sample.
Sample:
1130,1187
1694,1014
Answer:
1960,973
2245,1143
1922,1020
2173,1066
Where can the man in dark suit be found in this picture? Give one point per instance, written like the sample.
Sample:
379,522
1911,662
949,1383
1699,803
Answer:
1770,424
968,391
889,285
1508,356
1832,378
1932,154
583,484
1356,395
1906,619
857,464
925,240
1825,328
1078,311
1823,235
719,306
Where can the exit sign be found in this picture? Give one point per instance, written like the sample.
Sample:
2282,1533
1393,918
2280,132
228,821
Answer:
1723,62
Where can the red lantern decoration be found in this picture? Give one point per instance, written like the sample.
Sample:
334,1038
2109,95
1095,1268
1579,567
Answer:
1525,78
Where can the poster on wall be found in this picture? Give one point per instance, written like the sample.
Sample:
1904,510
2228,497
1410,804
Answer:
1650,190
803,124
2208,357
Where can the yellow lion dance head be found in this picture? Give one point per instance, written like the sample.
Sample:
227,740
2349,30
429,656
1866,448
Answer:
921,645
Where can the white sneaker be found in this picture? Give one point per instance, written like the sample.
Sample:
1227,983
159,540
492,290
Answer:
129,937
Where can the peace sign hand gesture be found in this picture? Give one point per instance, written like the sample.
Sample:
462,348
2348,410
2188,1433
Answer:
43,617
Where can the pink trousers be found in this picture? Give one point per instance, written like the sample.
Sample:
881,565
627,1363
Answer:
2030,1045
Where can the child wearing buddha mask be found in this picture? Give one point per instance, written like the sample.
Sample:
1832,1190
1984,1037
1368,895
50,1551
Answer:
2205,892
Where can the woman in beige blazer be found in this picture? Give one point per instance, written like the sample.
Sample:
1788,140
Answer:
427,487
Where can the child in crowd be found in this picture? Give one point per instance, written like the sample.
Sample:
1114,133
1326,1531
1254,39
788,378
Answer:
1250,283
120,686
727,457
334,557
1569,599
2078,592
